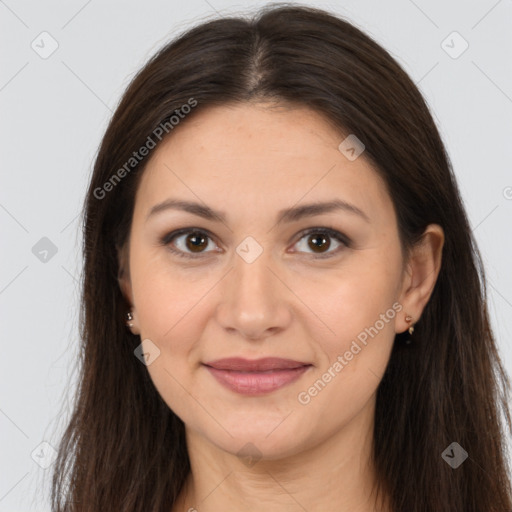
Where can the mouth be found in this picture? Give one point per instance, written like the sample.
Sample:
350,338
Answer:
256,377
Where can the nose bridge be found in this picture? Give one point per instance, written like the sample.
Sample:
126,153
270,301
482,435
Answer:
251,301
253,285
251,260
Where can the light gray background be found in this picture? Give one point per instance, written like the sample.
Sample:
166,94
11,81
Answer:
54,112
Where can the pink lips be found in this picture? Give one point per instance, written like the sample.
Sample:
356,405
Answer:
256,377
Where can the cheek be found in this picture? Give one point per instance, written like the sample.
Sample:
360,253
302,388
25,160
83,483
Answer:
351,301
359,309
167,297
171,313
173,307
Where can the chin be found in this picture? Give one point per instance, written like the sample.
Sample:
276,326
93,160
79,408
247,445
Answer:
259,440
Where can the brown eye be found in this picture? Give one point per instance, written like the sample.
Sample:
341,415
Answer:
188,243
319,243
196,242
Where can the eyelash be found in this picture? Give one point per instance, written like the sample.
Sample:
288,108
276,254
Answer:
332,233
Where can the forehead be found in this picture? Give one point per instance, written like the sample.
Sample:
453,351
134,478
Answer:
262,155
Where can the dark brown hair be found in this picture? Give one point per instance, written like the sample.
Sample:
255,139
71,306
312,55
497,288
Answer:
124,449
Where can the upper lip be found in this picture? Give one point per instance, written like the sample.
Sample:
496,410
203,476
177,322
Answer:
255,365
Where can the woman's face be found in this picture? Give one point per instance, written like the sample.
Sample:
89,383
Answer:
256,285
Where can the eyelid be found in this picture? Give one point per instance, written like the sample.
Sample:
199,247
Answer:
169,237
331,232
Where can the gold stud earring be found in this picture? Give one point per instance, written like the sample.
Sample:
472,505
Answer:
408,319
129,318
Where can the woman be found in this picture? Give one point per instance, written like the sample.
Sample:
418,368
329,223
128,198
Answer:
282,299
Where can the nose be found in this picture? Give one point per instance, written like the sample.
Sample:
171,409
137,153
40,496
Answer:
254,302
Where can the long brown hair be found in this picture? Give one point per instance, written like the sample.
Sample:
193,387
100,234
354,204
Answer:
124,449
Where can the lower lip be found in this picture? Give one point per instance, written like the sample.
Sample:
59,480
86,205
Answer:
256,383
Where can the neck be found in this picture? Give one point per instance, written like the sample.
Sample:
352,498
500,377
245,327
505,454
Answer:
334,475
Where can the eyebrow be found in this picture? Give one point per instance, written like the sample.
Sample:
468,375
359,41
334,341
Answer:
287,215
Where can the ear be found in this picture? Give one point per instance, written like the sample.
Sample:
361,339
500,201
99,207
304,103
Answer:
422,270
123,278
123,274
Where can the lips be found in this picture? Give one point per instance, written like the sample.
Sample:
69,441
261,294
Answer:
256,377
258,365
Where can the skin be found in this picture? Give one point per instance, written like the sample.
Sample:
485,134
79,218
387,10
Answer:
250,161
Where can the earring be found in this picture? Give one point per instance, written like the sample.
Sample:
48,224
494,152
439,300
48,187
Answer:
129,318
408,319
